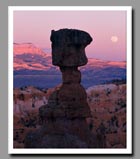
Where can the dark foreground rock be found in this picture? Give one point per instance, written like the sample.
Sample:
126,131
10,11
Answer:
68,47
64,117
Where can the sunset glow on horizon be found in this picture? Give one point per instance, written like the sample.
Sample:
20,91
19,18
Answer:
107,28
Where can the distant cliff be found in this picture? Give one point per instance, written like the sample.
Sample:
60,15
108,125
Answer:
30,63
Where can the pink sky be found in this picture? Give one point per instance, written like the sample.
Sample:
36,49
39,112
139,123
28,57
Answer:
36,26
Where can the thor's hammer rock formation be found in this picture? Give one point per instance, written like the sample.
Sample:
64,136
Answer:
67,109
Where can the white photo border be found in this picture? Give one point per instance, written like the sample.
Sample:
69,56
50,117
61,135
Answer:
128,149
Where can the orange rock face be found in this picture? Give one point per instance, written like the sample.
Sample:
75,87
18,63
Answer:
108,107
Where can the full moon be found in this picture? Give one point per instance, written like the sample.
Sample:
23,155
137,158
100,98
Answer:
114,39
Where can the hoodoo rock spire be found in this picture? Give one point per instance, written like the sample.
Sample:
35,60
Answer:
67,109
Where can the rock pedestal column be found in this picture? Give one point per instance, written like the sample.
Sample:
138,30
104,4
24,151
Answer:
67,107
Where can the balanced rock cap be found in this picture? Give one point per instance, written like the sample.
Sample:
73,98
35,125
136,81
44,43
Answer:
68,47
